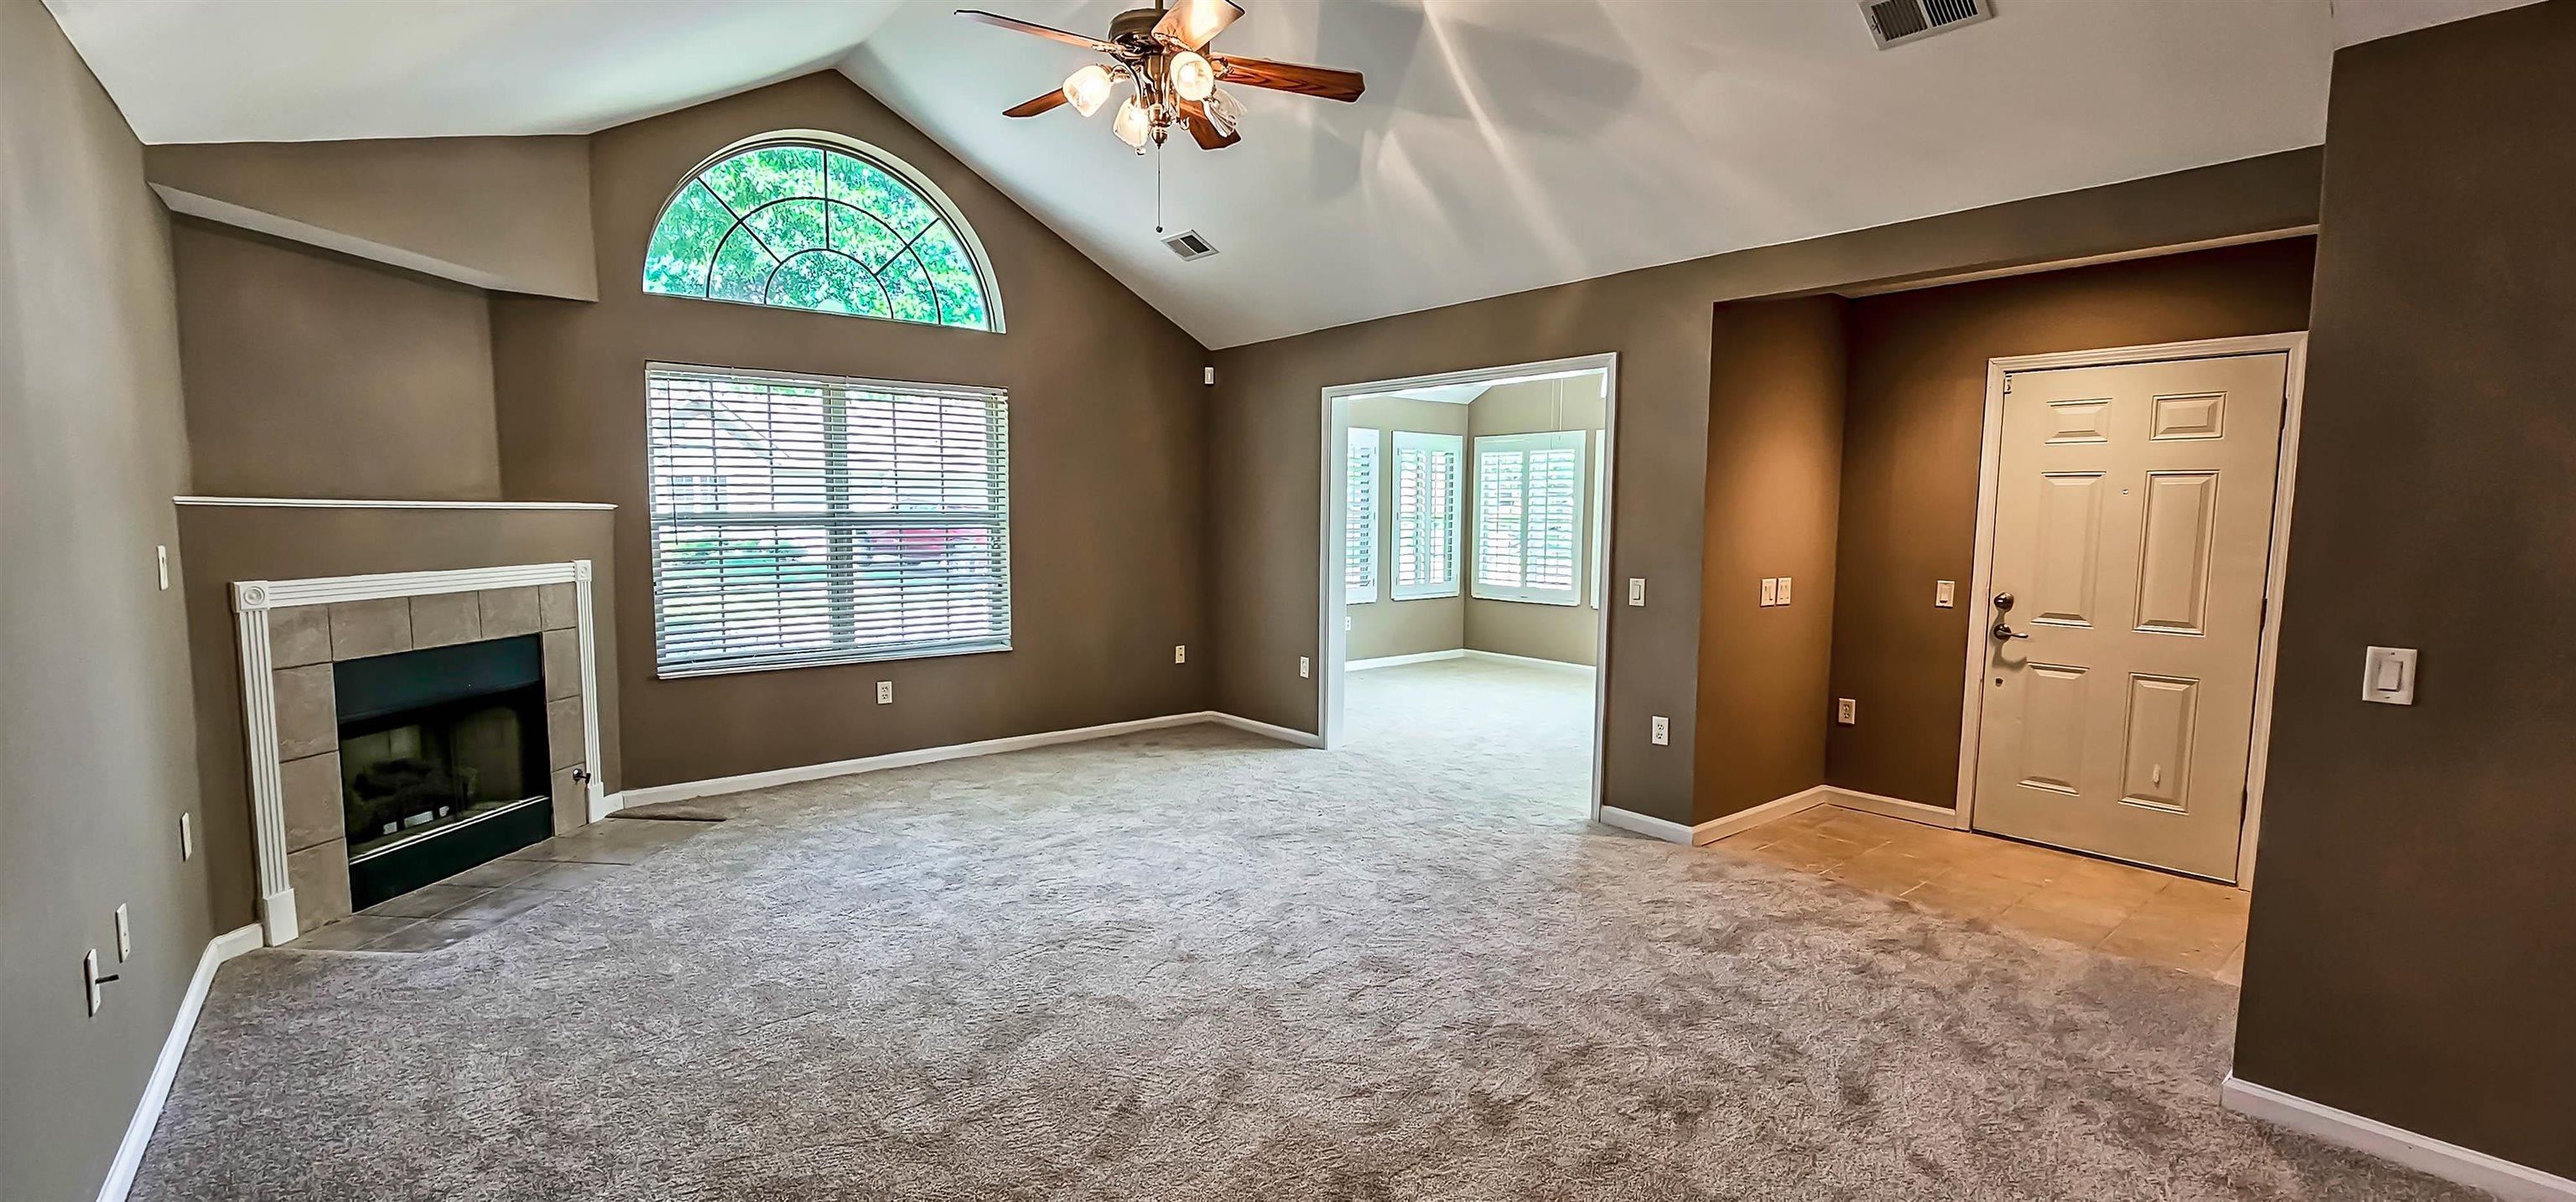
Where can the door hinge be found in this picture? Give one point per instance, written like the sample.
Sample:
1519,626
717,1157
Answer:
2264,614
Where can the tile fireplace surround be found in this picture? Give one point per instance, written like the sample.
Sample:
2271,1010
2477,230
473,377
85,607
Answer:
291,632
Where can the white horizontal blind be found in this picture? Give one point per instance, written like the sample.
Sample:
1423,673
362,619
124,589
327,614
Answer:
1529,517
1427,487
803,520
1359,517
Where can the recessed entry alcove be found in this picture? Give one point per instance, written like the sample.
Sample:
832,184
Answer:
407,726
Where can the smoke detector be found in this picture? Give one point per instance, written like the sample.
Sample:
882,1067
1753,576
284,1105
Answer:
1896,22
1189,245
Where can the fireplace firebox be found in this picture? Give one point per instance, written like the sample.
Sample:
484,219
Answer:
443,761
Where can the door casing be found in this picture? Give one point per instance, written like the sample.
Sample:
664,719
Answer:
1980,602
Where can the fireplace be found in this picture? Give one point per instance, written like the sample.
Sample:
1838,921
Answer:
443,761
407,726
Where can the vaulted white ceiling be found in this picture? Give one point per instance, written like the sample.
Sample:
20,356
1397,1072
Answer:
1503,144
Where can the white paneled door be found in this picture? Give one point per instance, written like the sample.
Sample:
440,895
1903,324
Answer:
2133,523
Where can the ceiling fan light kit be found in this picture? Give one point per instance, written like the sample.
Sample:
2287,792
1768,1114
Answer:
1162,54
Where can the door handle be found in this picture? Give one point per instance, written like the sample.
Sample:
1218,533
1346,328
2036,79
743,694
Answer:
2004,632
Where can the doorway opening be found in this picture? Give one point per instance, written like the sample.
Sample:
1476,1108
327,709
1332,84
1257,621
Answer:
1465,574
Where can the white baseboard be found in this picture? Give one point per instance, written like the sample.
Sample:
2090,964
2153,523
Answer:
156,1088
1391,661
1895,807
1716,828
2423,1153
686,790
1264,729
604,804
1528,661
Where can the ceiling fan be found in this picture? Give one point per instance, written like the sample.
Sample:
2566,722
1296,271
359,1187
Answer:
1162,53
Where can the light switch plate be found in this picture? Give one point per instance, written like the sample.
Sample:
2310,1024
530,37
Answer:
2388,675
1636,590
1945,594
1770,591
885,692
1784,590
1663,735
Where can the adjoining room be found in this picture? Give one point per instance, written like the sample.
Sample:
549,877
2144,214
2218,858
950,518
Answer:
1472,509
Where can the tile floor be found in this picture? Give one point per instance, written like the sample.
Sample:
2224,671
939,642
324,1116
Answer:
488,894
2192,925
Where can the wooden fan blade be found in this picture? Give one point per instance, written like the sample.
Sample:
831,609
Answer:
1325,82
1035,105
1193,23
1056,35
1194,115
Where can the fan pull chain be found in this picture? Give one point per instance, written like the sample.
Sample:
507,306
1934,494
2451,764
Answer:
1158,187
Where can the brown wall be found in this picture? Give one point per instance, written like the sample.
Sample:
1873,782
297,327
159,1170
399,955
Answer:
228,543
1775,403
1107,451
2413,949
1565,633
1909,470
96,762
1386,626
310,374
511,214
1263,464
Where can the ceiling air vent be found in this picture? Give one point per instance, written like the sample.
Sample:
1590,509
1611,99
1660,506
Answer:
1896,22
1189,245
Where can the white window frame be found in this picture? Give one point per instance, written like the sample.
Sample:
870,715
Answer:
661,473
1455,447
1363,515
1525,445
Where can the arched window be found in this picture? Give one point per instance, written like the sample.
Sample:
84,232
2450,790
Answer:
810,222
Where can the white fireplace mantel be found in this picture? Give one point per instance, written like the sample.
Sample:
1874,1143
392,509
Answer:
252,601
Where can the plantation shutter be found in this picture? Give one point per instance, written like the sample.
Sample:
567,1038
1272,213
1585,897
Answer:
1427,487
1529,517
802,520
1359,517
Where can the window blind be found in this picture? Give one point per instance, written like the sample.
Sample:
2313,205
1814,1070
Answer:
802,520
1427,486
1359,517
1529,517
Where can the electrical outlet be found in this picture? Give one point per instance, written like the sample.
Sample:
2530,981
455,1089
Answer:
1770,591
885,692
1663,731
161,557
1784,590
1636,590
1180,653
1846,711
1346,623
1305,667
124,935
187,837
1945,594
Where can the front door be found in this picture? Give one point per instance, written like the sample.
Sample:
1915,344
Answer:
2133,522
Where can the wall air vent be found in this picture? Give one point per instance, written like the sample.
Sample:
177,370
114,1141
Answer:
1189,245
1896,22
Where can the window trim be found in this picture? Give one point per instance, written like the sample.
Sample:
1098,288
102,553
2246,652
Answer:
1525,445
931,193
653,521
1455,446
1369,592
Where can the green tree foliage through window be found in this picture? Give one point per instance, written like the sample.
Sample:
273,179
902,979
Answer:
805,226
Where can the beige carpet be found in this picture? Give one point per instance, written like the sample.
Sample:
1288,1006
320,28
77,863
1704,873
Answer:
1197,965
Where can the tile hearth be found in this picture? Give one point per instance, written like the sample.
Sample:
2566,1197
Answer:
525,882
